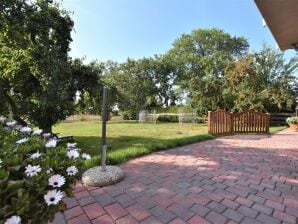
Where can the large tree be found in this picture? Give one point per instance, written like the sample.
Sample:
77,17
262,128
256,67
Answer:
262,81
201,59
36,79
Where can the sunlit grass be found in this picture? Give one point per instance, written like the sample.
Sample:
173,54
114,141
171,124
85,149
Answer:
127,140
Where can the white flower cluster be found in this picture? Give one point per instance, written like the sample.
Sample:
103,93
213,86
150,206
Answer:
2,119
54,196
13,220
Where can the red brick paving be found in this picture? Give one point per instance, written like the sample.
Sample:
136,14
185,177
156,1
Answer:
234,179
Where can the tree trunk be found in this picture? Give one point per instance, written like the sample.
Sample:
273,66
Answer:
14,109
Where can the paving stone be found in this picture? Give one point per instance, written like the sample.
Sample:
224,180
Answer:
73,212
285,217
177,221
231,214
200,210
162,214
125,200
244,201
127,220
93,210
198,220
256,198
267,219
81,219
105,219
219,208
115,211
248,220
262,208
138,212
151,220
275,205
181,212
214,217
247,211
230,204
70,202
86,200
104,199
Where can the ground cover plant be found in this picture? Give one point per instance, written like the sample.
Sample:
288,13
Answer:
35,174
128,140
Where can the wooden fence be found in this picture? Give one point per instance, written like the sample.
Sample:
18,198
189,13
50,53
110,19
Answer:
223,122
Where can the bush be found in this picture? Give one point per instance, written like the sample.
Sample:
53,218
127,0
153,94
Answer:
34,174
168,117
292,120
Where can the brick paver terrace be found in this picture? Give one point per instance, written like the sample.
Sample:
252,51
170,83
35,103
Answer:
235,179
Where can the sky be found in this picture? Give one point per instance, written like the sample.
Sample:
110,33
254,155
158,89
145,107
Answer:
118,29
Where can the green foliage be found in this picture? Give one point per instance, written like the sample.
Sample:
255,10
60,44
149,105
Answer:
262,81
292,120
23,195
35,74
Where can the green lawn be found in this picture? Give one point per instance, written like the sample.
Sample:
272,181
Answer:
275,129
128,140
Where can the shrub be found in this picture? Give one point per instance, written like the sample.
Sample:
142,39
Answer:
292,120
34,174
168,117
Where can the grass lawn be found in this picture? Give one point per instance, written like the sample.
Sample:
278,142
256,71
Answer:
128,140
275,129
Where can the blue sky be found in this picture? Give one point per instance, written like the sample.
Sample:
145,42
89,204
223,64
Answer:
118,29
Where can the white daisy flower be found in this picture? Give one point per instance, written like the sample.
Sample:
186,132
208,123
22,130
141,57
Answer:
49,171
13,220
71,145
35,155
18,127
32,170
26,130
56,180
71,171
2,119
86,156
46,135
37,132
51,143
11,124
23,140
72,154
53,197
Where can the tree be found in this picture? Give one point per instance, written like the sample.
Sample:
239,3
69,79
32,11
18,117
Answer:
133,84
261,81
36,77
201,58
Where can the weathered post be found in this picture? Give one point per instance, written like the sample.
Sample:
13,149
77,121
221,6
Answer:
103,175
104,128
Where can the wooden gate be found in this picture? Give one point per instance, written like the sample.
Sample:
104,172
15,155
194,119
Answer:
223,122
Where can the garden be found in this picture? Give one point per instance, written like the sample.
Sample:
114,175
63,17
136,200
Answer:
42,86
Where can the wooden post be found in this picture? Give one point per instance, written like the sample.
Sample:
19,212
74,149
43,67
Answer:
267,122
209,122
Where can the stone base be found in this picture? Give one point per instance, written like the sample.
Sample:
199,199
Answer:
96,177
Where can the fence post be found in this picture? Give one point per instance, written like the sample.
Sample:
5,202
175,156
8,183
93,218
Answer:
231,122
209,122
267,122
